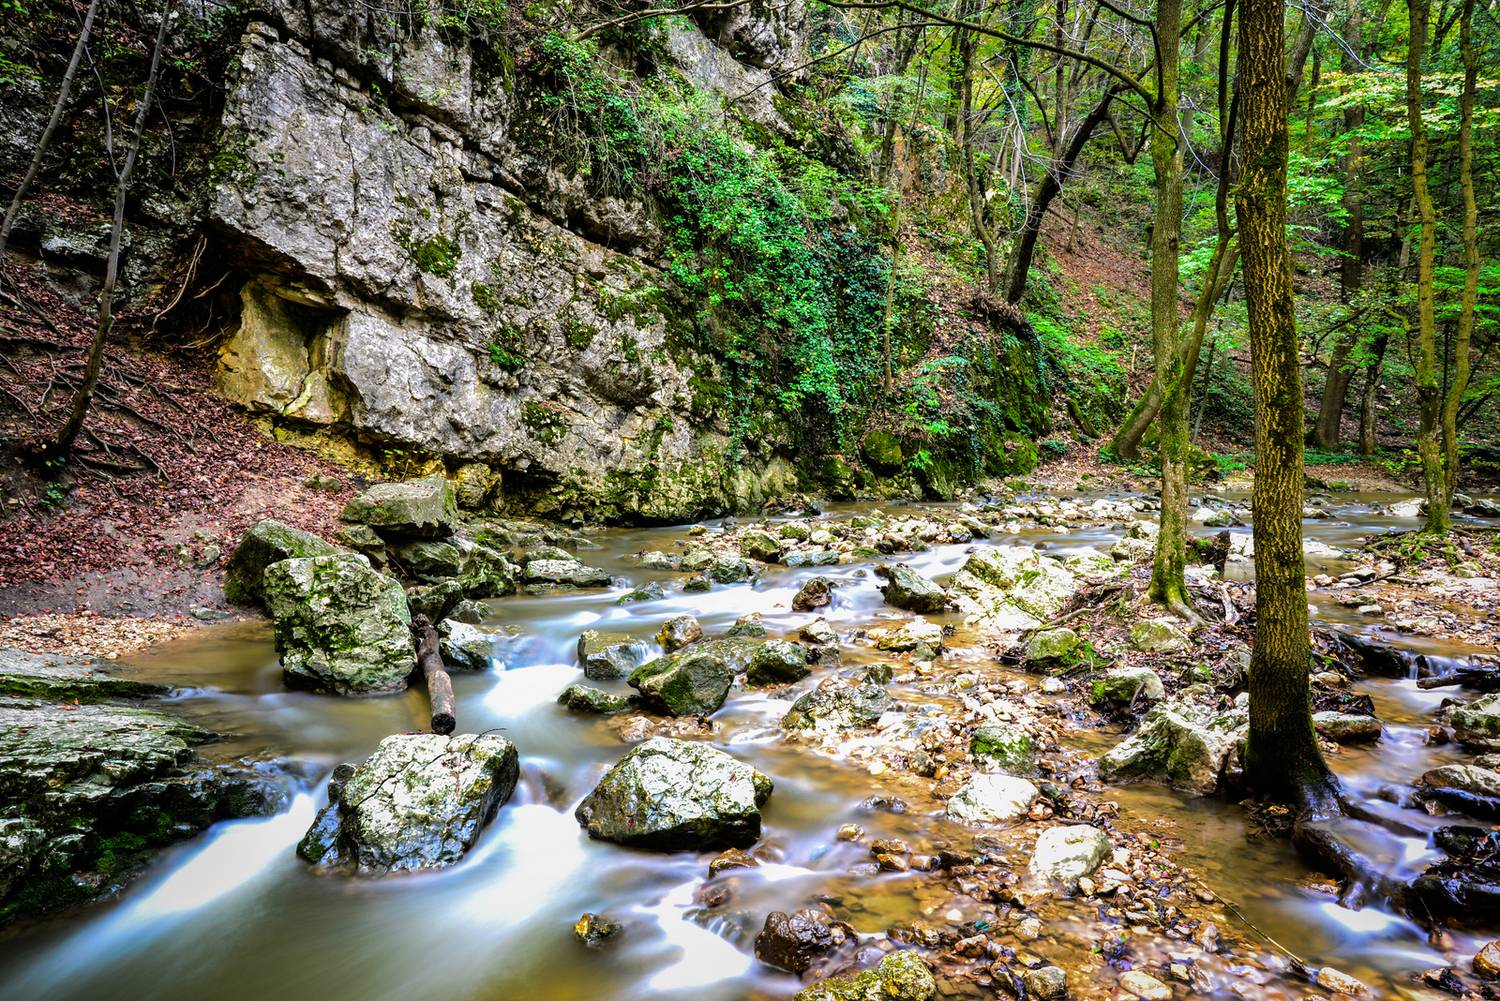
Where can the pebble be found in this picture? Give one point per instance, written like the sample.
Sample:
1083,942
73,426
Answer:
1487,963
1145,986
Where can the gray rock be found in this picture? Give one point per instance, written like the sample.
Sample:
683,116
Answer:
341,626
264,543
1347,728
553,573
650,591
992,798
750,624
689,683
670,795
435,601
486,572
1045,983
792,942
1003,747
424,508
658,560
815,593
1157,636
1180,743
62,678
1477,723
819,631
905,588
471,612
465,647
1007,589
777,662
1064,855
1465,778
835,705
729,569
901,976
606,656
1051,645
427,559
678,632
759,545
419,802
585,699
1126,686
812,558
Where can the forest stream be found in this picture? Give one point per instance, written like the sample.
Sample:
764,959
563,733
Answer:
234,914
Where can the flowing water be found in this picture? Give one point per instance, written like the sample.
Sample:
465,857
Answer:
233,915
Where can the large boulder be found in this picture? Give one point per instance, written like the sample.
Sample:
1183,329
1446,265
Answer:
1346,728
540,575
61,678
1157,636
901,976
992,798
419,802
466,647
1003,747
606,656
670,795
1129,685
427,559
690,683
1048,646
486,572
1009,589
838,705
678,631
1180,743
1064,855
1477,723
267,542
424,508
777,662
905,588
760,545
341,626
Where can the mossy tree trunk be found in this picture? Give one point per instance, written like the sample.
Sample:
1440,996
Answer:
1465,333
1283,760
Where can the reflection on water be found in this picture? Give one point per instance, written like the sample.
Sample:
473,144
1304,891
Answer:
234,915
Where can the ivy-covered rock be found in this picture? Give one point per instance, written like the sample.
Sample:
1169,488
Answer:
423,508
777,662
690,683
837,705
419,802
606,656
671,795
901,976
905,588
586,699
1003,747
341,627
264,543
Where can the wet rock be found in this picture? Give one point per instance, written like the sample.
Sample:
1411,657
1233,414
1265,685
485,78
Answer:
473,485
1052,686
819,631
689,683
1180,743
1064,855
486,572
471,612
435,601
668,795
730,858
1341,983
1051,645
341,627
836,705
606,656
424,508
816,593
652,591
812,558
587,699
419,802
1144,986
465,647
777,662
905,588
878,674
759,545
750,624
361,539
1003,747
264,543
61,678
792,941
1478,723
735,651
1157,636
794,530
1346,728
562,573
658,560
901,976
427,559
697,584
678,632
992,799
1464,778
1007,589
914,635
728,569
593,930
1487,962
1125,686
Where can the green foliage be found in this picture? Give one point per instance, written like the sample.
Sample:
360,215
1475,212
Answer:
507,349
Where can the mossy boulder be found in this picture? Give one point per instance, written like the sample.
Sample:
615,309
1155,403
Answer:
882,451
777,662
422,508
1477,723
1127,686
486,572
606,656
590,700
419,802
1157,636
427,559
690,683
341,627
901,976
672,795
548,574
728,569
264,543
837,705
1003,747
1180,743
1007,589
1051,646
760,545
905,588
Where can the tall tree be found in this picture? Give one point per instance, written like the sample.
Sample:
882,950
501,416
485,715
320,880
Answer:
1283,760
1465,333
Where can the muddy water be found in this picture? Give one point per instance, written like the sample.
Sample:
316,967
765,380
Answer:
234,916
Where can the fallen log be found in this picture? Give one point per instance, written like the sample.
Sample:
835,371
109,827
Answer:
1483,678
439,685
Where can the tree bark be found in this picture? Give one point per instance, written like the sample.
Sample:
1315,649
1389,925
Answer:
439,685
1283,760
1464,335
1367,442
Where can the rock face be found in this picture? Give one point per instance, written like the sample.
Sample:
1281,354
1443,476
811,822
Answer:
267,542
91,785
992,799
424,508
1007,589
690,683
1180,743
341,627
901,976
836,705
905,588
419,802
668,795
1064,855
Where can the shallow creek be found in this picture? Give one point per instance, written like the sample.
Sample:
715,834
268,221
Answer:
235,915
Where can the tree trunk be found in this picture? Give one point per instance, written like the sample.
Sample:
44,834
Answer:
1465,332
63,444
1429,393
51,129
1283,760
1168,583
439,685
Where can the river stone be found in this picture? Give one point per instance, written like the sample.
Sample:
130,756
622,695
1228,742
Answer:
425,508
759,545
795,530
792,941
992,798
1144,986
1003,747
1477,723
777,662
1181,743
1045,983
436,601
471,612
678,632
901,976
1064,855
428,559
606,656
341,626
905,588
690,683
658,560
728,569
465,647
1346,728
419,802
670,795
1049,645
816,593
586,699
62,678
486,572
818,631
1124,686
1008,589
1465,778
551,573
751,624
1487,962
264,543
812,558
1157,636
835,705
735,651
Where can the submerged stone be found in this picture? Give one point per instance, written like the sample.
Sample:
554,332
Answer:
606,656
